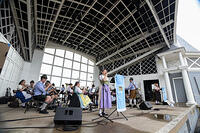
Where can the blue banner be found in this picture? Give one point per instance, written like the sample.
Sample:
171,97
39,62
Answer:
120,93
164,94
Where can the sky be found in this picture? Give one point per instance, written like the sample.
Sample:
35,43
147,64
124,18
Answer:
188,21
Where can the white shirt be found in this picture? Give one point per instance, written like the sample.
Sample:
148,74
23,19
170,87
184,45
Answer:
77,89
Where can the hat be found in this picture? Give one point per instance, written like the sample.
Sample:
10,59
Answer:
131,79
44,76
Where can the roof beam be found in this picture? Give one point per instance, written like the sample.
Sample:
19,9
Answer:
13,9
29,28
35,16
140,35
134,61
158,21
131,44
58,12
133,54
90,7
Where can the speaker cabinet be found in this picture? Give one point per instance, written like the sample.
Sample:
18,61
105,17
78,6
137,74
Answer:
68,116
145,106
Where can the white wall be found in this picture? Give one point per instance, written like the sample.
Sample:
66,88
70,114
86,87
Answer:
31,70
11,71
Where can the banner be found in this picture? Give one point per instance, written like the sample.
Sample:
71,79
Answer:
164,94
120,93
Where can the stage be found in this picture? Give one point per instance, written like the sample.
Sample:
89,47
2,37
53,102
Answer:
139,121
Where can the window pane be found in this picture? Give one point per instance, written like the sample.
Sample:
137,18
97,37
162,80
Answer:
57,71
60,52
76,65
73,81
90,69
84,67
75,74
91,62
68,63
69,55
77,57
46,69
90,77
83,76
64,81
47,58
67,73
84,60
89,84
58,61
83,83
56,81
49,50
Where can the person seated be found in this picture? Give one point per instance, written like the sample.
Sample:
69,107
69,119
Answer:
23,88
69,92
84,99
40,94
30,88
91,93
51,91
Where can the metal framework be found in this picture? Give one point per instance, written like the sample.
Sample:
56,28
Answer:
110,31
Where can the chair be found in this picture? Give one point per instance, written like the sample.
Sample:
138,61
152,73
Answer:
20,96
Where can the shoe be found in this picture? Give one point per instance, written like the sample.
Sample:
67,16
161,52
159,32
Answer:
100,114
128,105
134,106
44,112
104,114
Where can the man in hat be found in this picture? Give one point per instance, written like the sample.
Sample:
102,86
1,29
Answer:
40,93
132,97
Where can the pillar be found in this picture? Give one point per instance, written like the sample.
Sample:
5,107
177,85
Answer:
186,81
167,82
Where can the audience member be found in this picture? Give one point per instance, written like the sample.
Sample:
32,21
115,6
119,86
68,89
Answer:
132,97
91,93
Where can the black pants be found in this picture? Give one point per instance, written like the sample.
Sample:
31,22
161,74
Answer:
157,93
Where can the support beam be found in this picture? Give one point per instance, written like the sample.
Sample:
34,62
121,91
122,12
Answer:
138,36
158,21
58,12
134,61
13,9
127,46
132,54
29,28
35,17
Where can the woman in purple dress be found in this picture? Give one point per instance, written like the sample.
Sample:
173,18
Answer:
104,92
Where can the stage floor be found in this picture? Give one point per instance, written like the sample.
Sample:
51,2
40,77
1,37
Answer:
139,121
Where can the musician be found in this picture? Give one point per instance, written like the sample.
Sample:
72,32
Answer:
104,93
132,97
51,91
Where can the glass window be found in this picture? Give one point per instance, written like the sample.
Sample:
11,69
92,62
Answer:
57,71
75,74
56,81
58,61
76,65
90,77
83,83
90,69
69,54
83,76
65,81
91,63
68,63
84,67
66,73
47,58
77,57
60,52
46,69
89,84
49,50
73,81
84,60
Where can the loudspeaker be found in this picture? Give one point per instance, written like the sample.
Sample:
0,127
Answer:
145,105
68,116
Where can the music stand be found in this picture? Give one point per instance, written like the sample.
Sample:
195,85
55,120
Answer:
103,113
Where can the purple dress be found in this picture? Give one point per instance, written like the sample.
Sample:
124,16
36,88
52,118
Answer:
105,93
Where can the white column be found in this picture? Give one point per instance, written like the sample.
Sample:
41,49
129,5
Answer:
186,81
167,82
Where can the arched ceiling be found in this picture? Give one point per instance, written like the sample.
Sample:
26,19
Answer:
105,29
